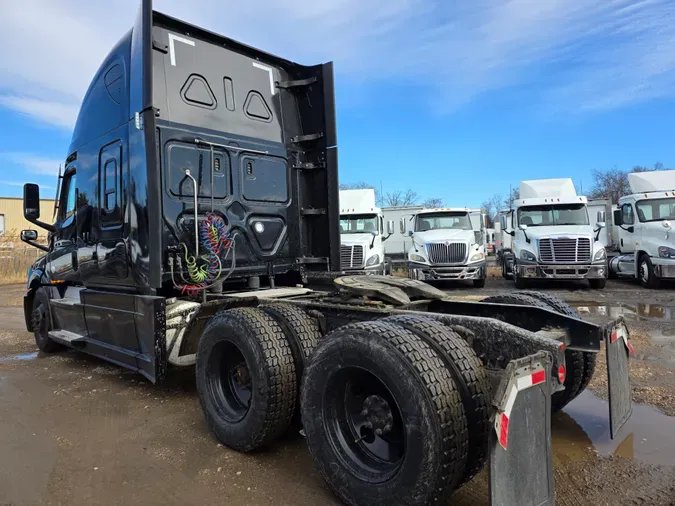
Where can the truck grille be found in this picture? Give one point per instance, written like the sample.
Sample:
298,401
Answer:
441,253
561,251
351,257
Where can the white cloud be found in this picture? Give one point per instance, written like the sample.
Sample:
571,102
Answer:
17,183
33,163
584,55
61,114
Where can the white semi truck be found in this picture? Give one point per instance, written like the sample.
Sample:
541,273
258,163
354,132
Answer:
548,235
362,233
641,242
445,243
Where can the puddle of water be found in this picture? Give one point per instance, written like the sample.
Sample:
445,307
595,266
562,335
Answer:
636,312
21,356
648,436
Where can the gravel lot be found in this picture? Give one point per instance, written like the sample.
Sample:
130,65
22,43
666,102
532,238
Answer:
76,430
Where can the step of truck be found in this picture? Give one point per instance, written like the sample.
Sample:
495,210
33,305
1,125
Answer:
68,338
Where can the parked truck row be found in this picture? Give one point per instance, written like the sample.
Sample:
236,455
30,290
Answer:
199,197
550,233
431,244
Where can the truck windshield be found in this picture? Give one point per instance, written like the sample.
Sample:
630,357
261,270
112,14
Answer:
656,209
358,224
562,214
434,221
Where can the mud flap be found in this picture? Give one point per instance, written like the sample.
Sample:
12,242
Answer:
618,378
521,457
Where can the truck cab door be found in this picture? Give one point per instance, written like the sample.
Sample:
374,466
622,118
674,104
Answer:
111,249
62,260
627,231
506,222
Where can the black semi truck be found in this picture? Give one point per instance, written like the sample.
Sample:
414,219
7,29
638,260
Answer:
199,199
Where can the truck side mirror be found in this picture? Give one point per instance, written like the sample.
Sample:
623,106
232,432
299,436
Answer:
31,201
390,227
600,224
410,233
522,227
29,235
402,225
601,218
618,219
666,224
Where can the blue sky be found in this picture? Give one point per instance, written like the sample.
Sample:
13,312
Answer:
456,100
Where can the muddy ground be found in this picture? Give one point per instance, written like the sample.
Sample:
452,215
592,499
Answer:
75,430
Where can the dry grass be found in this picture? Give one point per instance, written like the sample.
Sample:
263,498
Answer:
494,271
15,259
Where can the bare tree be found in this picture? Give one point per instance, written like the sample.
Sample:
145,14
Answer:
613,183
491,208
513,196
400,198
431,203
356,186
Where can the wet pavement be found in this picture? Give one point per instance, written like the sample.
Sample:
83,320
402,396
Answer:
636,312
648,436
76,430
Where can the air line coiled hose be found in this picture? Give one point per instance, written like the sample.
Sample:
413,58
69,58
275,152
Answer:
204,271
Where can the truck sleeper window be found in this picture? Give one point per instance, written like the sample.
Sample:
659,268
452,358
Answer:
435,221
547,215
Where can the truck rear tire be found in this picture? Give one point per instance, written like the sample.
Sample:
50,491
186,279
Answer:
646,273
246,378
303,334
388,267
582,363
42,323
470,377
597,283
383,417
505,270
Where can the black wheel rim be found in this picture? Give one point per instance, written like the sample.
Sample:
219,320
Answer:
364,424
229,381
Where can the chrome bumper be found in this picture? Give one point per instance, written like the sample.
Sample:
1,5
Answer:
431,272
372,269
664,268
575,271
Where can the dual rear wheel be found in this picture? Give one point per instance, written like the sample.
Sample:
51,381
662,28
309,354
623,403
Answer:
394,410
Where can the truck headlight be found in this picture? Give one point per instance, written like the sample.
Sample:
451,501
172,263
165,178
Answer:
477,256
600,254
374,260
666,252
417,258
528,256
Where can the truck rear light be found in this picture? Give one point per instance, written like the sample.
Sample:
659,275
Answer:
561,374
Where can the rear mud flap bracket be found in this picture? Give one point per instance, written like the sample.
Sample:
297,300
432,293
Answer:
521,460
618,349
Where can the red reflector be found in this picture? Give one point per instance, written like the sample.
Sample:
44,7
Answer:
538,377
630,347
561,374
504,431
561,346
615,336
